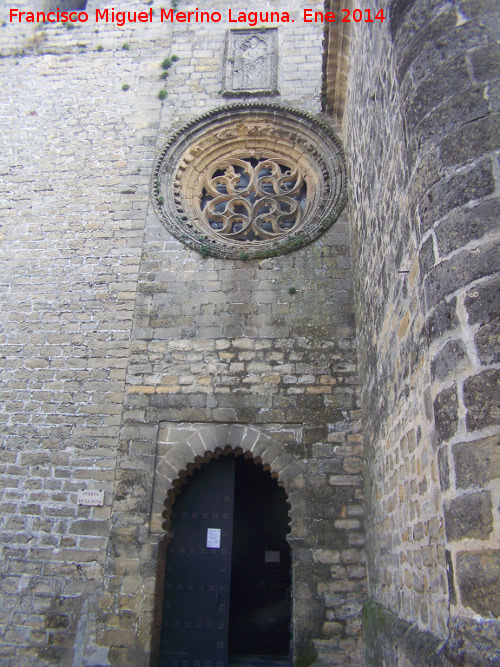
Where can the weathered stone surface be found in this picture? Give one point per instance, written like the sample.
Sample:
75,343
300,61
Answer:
409,50
468,225
483,302
455,191
471,141
464,107
485,62
382,629
477,462
487,342
426,257
64,5
451,578
470,641
444,468
461,269
494,95
111,327
429,95
436,195
479,577
89,528
478,8
482,399
399,10
452,358
446,413
465,36
57,621
443,319
469,516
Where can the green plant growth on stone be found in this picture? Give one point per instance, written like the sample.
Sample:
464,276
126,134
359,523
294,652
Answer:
243,255
373,619
265,254
167,62
174,58
126,46
326,222
306,657
160,200
125,86
204,250
162,94
164,74
100,47
292,290
294,244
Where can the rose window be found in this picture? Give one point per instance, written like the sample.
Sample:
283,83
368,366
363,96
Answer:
253,200
250,183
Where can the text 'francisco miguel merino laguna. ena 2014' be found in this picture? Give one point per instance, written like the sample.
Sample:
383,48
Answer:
196,16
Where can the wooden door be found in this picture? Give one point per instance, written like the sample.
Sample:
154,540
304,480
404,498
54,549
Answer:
195,619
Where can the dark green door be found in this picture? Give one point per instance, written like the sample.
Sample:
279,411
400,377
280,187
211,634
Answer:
195,619
229,549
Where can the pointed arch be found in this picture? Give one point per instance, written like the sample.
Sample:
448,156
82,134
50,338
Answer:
184,447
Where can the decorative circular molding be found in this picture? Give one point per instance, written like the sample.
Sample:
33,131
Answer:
250,181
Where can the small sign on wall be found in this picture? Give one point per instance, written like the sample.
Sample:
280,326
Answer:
90,498
213,538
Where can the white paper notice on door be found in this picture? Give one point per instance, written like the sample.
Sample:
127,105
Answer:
213,538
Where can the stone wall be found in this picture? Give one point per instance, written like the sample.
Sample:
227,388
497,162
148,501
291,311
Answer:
71,243
121,344
127,356
421,130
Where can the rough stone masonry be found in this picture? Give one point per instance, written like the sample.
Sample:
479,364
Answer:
422,139
126,354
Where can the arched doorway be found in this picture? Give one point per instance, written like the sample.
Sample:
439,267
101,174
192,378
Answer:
227,576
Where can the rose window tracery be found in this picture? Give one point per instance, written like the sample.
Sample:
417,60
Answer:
253,200
251,182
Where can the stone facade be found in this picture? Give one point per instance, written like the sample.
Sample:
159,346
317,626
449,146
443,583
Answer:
127,356
421,132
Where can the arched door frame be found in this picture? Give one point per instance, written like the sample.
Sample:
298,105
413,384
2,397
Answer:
182,448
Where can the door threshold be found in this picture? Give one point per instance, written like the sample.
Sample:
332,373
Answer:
238,660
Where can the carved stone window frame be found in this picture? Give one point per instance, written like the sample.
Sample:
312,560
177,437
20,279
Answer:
258,131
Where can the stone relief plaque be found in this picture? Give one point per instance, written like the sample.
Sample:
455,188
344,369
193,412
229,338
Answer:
251,62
